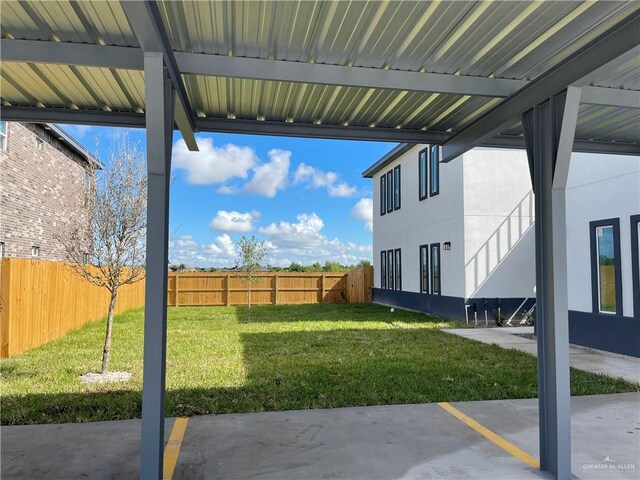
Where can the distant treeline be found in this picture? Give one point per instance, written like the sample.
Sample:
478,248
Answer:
294,267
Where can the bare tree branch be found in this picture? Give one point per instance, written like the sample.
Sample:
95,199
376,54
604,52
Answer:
105,246
251,253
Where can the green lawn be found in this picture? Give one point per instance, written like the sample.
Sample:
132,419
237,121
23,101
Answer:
286,357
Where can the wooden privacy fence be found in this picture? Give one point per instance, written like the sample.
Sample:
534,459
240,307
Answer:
219,288
43,300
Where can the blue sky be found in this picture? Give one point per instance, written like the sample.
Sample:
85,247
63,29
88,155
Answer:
305,197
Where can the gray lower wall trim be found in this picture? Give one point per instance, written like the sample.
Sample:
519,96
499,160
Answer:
613,333
440,305
452,307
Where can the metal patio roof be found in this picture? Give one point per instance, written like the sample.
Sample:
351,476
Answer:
411,71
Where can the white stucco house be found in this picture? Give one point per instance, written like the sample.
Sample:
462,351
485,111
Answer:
457,239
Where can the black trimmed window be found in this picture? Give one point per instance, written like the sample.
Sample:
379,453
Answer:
397,268
390,191
436,281
396,188
422,173
383,194
635,263
434,170
390,277
606,274
383,269
424,268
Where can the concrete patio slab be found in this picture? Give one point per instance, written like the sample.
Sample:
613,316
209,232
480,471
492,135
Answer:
384,442
587,359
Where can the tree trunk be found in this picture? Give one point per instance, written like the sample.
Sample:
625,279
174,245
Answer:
106,351
249,301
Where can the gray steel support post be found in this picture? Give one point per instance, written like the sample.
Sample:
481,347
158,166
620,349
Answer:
159,104
549,133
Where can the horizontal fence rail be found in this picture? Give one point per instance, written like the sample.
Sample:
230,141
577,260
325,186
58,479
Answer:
269,288
42,300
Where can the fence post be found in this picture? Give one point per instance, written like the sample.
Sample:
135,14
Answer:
275,289
348,286
176,290
226,291
322,283
274,301
5,292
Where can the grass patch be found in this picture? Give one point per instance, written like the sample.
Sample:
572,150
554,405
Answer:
286,357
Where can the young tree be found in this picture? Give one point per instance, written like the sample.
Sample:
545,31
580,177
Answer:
106,247
251,252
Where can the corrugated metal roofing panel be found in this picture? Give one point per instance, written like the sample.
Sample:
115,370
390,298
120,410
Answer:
596,122
480,38
70,86
99,22
505,39
298,102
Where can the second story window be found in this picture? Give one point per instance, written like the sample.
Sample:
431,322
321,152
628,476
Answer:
39,143
434,170
422,174
383,194
429,172
87,182
396,188
390,191
3,136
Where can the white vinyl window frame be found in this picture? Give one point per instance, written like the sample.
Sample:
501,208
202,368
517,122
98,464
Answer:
4,130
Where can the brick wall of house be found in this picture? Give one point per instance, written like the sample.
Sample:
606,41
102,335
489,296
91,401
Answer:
41,192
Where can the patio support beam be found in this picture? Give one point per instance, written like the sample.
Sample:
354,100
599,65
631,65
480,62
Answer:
606,48
131,58
549,133
284,129
159,101
146,21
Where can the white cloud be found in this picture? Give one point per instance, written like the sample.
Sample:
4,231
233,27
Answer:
270,177
213,164
306,230
304,242
342,190
316,178
223,245
363,210
221,252
234,221
301,241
